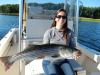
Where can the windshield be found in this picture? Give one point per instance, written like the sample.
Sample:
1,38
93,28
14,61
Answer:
46,9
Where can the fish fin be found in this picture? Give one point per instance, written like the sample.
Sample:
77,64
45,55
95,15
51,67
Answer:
6,63
55,56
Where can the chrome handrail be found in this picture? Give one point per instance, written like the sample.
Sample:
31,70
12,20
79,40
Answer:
20,31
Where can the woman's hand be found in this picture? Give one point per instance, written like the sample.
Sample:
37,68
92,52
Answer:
78,54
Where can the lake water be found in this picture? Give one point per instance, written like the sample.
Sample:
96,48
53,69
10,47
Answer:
6,23
88,33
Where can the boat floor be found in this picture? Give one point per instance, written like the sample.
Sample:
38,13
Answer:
14,69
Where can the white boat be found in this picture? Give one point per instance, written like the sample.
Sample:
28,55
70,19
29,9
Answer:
32,26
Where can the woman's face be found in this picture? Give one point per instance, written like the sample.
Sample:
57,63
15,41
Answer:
60,20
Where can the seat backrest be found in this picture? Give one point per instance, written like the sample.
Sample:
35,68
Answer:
35,28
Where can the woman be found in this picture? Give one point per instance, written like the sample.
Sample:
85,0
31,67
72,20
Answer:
60,34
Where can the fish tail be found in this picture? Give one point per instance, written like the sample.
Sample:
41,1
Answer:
6,62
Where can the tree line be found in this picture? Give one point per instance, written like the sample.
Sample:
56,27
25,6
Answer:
88,12
9,8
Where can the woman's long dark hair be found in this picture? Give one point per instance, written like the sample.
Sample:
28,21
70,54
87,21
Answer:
64,28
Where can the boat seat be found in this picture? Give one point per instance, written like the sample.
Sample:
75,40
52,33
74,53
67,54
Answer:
34,69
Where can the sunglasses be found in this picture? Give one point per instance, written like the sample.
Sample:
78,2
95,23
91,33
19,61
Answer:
59,16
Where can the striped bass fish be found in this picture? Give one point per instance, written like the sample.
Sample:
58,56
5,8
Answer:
32,52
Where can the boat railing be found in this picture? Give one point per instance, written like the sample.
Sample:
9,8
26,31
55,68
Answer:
91,53
6,41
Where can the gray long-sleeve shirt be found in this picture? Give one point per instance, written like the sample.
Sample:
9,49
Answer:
56,36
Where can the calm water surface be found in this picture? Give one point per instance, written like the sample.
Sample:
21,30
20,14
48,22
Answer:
6,23
88,33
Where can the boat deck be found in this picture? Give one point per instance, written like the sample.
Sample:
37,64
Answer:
14,70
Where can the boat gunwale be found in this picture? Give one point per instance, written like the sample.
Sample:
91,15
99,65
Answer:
93,54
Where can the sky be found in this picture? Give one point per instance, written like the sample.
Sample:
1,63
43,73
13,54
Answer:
9,2
86,3
91,3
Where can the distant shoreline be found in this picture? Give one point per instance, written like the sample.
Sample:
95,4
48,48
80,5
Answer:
80,18
13,14
88,19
